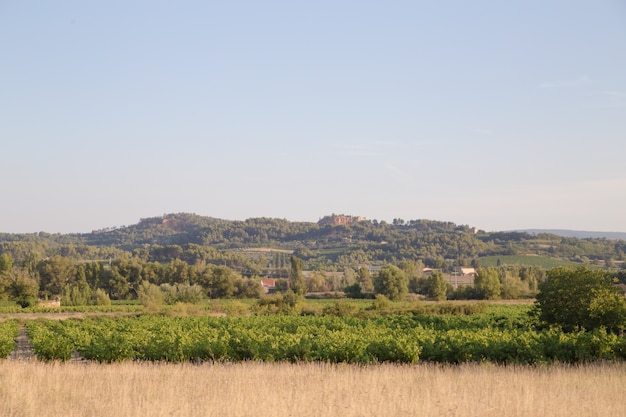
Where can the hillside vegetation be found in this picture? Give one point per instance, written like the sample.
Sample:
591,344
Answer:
369,241
189,257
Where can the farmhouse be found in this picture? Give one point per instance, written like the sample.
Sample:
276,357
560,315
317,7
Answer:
462,275
269,285
464,271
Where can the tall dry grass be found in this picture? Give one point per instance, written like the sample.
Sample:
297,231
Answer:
34,389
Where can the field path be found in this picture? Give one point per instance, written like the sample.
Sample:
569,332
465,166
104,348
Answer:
24,350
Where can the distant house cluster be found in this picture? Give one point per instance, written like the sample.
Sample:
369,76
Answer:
339,220
461,276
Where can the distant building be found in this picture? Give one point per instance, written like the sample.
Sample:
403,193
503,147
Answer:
461,276
269,285
464,271
339,220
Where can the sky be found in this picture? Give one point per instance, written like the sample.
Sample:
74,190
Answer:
499,115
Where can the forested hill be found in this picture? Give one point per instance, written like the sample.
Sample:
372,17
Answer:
345,240
578,233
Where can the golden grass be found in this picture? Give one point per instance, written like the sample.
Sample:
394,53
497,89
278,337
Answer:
257,389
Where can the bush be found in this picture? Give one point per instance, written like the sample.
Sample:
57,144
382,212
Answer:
581,298
381,303
340,308
182,293
101,298
285,303
151,297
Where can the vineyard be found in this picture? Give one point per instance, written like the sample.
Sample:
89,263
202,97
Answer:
490,337
8,332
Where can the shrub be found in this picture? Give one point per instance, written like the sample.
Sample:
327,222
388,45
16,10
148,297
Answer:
151,297
101,298
581,298
381,303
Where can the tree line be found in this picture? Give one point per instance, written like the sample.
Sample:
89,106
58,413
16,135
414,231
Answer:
78,282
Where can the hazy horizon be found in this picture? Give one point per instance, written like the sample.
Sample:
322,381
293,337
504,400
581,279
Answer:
496,115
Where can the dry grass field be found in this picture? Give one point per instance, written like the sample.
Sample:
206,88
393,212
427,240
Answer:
35,389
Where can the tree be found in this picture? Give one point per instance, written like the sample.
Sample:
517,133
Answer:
249,287
353,291
487,284
317,282
21,287
511,287
296,278
392,282
581,298
115,284
54,274
364,278
78,294
6,263
437,286
219,281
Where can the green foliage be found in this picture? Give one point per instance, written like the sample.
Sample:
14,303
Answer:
182,293
489,337
581,298
76,295
54,274
296,278
354,291
6,263
249,287
340,308
364,278
528,260
20,287
381,303
151,297
281,303
219,281
487,284
437,286
8,332
392,282
101,298
198,240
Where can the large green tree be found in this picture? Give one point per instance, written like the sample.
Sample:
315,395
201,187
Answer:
581,298
219,281
392,282
437,286
54,274
20,287
487,284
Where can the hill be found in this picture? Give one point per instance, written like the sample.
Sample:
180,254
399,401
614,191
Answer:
577,233
345,241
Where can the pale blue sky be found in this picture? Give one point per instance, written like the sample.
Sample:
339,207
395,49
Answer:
495,114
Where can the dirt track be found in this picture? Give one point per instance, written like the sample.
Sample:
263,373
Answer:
24,350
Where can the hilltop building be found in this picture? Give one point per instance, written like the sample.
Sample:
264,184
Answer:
339,220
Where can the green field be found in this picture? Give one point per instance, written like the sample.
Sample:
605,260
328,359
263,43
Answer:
533,260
